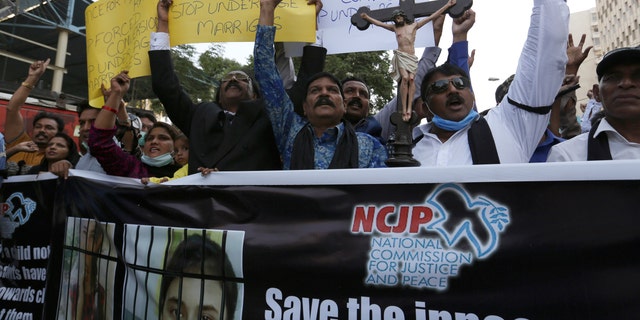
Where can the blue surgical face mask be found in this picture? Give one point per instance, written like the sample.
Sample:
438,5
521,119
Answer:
158,161
454,125
141,139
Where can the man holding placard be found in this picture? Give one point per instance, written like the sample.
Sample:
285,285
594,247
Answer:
232,133
322,140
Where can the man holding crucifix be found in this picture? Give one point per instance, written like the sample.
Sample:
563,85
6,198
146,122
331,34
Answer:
405,62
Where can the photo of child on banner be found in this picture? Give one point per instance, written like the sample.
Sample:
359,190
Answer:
183,273
89,270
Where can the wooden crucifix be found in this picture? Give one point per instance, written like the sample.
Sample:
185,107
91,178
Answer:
411,9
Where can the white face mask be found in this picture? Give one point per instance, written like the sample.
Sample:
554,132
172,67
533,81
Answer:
159,161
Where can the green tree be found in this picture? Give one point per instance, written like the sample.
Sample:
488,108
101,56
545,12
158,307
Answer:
372,67
215,64
199,82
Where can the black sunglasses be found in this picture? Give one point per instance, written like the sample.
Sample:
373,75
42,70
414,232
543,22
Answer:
441,86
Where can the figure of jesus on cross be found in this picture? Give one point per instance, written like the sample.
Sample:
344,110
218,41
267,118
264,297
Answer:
405,61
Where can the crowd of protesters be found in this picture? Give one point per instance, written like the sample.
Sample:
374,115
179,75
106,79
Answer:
318,121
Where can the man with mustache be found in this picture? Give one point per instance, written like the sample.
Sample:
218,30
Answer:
232,133
356,91
322,140
356,98
617,135
457,135
45,124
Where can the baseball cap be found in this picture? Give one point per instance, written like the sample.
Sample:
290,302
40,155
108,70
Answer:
616,57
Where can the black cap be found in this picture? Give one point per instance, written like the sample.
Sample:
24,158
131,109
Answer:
616,57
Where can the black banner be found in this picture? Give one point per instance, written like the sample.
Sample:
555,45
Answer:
342,250
25,232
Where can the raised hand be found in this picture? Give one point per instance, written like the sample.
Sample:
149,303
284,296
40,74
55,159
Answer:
318,4
472,58
38,67
120,83
163,15
267,12
576,54
269,3
461,25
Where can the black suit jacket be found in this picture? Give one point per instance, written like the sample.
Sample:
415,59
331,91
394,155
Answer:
248,144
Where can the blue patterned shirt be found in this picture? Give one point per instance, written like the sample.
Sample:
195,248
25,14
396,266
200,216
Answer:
287,123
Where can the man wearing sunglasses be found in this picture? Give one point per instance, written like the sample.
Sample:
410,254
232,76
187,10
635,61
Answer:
457,135
617,135
323,140
232,133
458,55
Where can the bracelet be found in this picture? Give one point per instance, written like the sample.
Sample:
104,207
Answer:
27,85
110,109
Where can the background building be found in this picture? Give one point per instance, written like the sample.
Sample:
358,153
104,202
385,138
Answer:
585,22
618,24
611,24
36,30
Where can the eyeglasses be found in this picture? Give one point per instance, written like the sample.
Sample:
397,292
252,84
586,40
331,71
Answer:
441,86
236,77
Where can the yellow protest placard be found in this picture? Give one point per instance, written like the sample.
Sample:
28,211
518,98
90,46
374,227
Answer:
118,31
117,39
236,20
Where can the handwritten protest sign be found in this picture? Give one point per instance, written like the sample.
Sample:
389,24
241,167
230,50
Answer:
236,21
117,39
339,36
118,31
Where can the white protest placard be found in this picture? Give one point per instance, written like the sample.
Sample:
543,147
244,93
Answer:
340,36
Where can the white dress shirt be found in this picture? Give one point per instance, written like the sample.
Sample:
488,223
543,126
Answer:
159,41
540,72
592,108
576,149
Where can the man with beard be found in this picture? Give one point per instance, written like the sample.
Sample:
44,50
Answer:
405,61
232,133
512,130
356,99
323,140
45,125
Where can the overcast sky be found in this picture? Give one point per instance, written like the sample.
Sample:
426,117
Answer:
498,35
